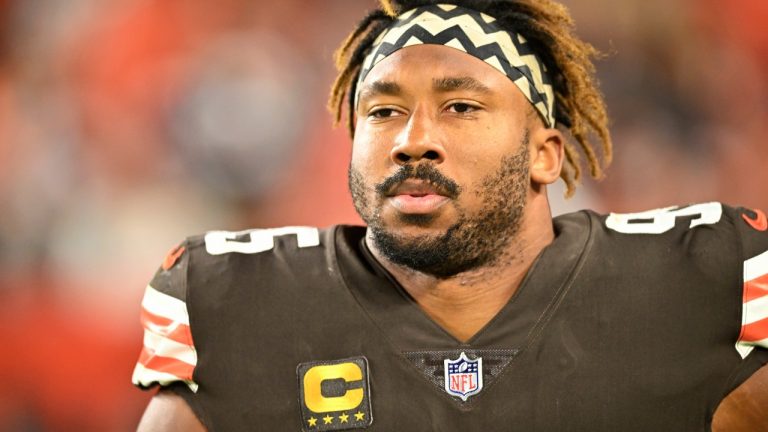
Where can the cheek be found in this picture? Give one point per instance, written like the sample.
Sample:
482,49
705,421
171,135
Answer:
491,145
363,163
368,155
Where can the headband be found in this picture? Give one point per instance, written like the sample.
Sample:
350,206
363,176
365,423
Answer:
476,34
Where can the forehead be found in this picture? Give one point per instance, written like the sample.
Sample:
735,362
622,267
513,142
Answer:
420,64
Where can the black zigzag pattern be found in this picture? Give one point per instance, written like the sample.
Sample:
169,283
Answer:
488,28
482,52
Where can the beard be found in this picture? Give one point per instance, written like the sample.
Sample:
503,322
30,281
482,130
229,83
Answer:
474,241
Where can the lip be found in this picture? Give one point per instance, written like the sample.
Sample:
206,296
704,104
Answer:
423,204
416,197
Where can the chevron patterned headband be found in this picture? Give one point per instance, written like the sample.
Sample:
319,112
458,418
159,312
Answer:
476,34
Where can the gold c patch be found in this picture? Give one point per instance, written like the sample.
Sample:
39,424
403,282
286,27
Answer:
334,394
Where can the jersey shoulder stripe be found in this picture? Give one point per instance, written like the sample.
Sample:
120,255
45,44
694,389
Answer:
168,354
754,329
164,306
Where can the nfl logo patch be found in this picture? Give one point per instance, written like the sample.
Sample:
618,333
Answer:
463,377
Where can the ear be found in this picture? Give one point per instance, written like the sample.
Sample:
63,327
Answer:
546,146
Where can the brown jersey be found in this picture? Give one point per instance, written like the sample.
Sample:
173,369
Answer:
625,322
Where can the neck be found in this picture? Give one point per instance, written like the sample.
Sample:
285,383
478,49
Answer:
464,303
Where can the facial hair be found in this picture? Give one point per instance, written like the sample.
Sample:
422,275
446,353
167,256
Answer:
474,241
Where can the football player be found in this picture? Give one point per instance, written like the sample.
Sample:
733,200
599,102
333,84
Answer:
463,305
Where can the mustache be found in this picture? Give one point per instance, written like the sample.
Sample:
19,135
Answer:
425,172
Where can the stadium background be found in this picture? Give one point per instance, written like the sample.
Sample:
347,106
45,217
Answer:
127,124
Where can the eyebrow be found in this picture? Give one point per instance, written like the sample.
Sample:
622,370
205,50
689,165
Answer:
376,88
448,84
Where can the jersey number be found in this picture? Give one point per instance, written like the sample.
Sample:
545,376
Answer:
259,240
662,220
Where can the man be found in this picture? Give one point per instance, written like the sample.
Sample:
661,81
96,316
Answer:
463,305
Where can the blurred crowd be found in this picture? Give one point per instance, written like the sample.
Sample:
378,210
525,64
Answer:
126,125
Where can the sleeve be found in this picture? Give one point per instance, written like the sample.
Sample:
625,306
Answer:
752,226
168,355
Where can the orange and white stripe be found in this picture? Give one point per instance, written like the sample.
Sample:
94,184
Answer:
754,328
169,353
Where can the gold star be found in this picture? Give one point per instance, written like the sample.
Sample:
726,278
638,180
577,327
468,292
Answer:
359,416
327,419
312,421
344,418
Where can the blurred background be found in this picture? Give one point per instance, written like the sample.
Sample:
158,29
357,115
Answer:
126,125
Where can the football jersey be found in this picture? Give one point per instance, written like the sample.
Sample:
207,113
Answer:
631,322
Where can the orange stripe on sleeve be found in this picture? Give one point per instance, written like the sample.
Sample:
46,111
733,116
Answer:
168,328
756,288
756,331
166,365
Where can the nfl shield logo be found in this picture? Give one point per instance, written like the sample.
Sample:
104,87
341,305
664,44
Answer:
463,377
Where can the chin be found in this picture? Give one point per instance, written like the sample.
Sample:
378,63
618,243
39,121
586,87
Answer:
417,220
436,221
417,226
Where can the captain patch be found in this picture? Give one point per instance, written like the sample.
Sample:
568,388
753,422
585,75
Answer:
335,394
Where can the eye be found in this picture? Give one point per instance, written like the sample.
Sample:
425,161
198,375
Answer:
461,108
382,113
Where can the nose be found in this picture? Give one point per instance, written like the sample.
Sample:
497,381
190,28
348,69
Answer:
419,140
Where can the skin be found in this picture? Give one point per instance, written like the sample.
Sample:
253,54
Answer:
168,412
464,132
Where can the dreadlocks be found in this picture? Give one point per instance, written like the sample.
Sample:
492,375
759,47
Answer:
548,27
